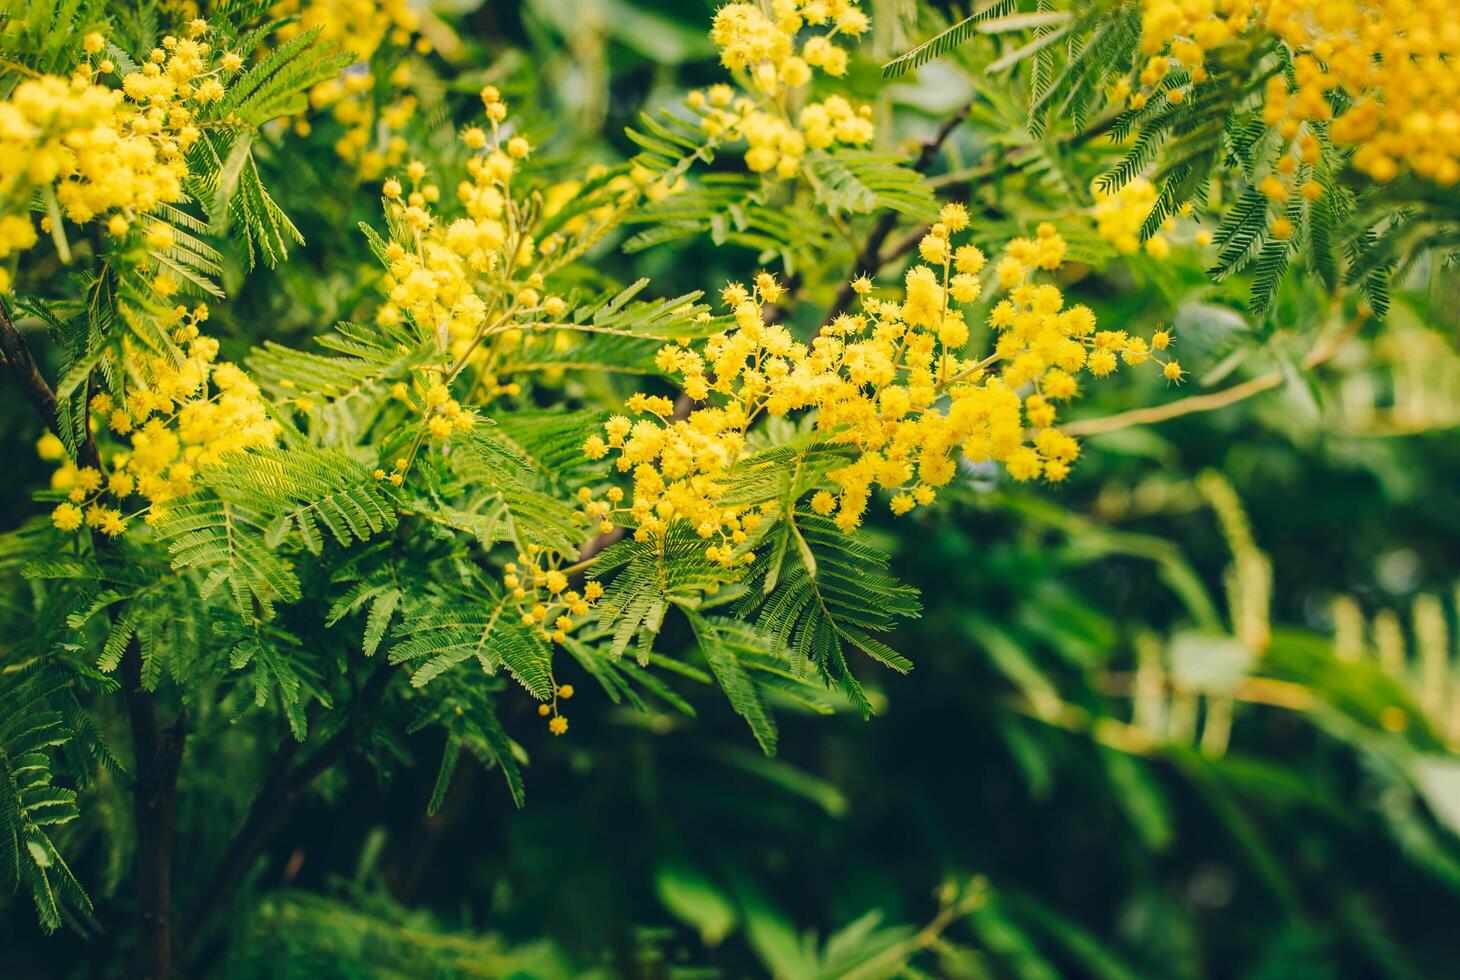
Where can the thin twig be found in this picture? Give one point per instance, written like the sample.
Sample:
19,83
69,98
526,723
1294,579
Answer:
869,259
873,260
282,787
895,957
1322,351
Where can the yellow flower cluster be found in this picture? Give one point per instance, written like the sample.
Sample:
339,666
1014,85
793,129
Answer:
1396,65
762,48
893,385
1392,62
680,466
537,590
557,724
537,586
1188,29
84,139
360,27
371,139
476,285
599,512
1120,216
101,150
180,417
435,268
1179,34
443,414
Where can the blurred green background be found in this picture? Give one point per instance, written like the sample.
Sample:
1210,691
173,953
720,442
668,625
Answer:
1136,742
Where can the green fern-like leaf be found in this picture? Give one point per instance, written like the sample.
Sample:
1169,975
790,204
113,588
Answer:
744,697
671,144
615,332
276,84
859,182
819,592
946,40
232,528
306,491
465,708
493,471
732,209
34,732
278,662
227,543
649,577
453,625
345,385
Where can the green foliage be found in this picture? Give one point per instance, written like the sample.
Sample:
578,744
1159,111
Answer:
233,528
471,622
671,144
1132,740
34,738
946,40
276,659
823,593
648,578
860,183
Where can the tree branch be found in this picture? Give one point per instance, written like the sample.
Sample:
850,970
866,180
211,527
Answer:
869,260
33,385
23,369
872,259
158,754
282,787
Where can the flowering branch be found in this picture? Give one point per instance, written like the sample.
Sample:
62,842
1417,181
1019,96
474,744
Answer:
157,751
1322,352
870,258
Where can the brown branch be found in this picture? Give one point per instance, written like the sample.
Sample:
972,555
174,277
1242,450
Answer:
1017,157
432,832
869,260
33,384
158,754
158,751
282,787
873,260
27,375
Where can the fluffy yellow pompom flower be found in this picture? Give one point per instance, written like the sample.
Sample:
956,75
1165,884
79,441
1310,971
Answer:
67,517
50,448
179,417
1392,63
